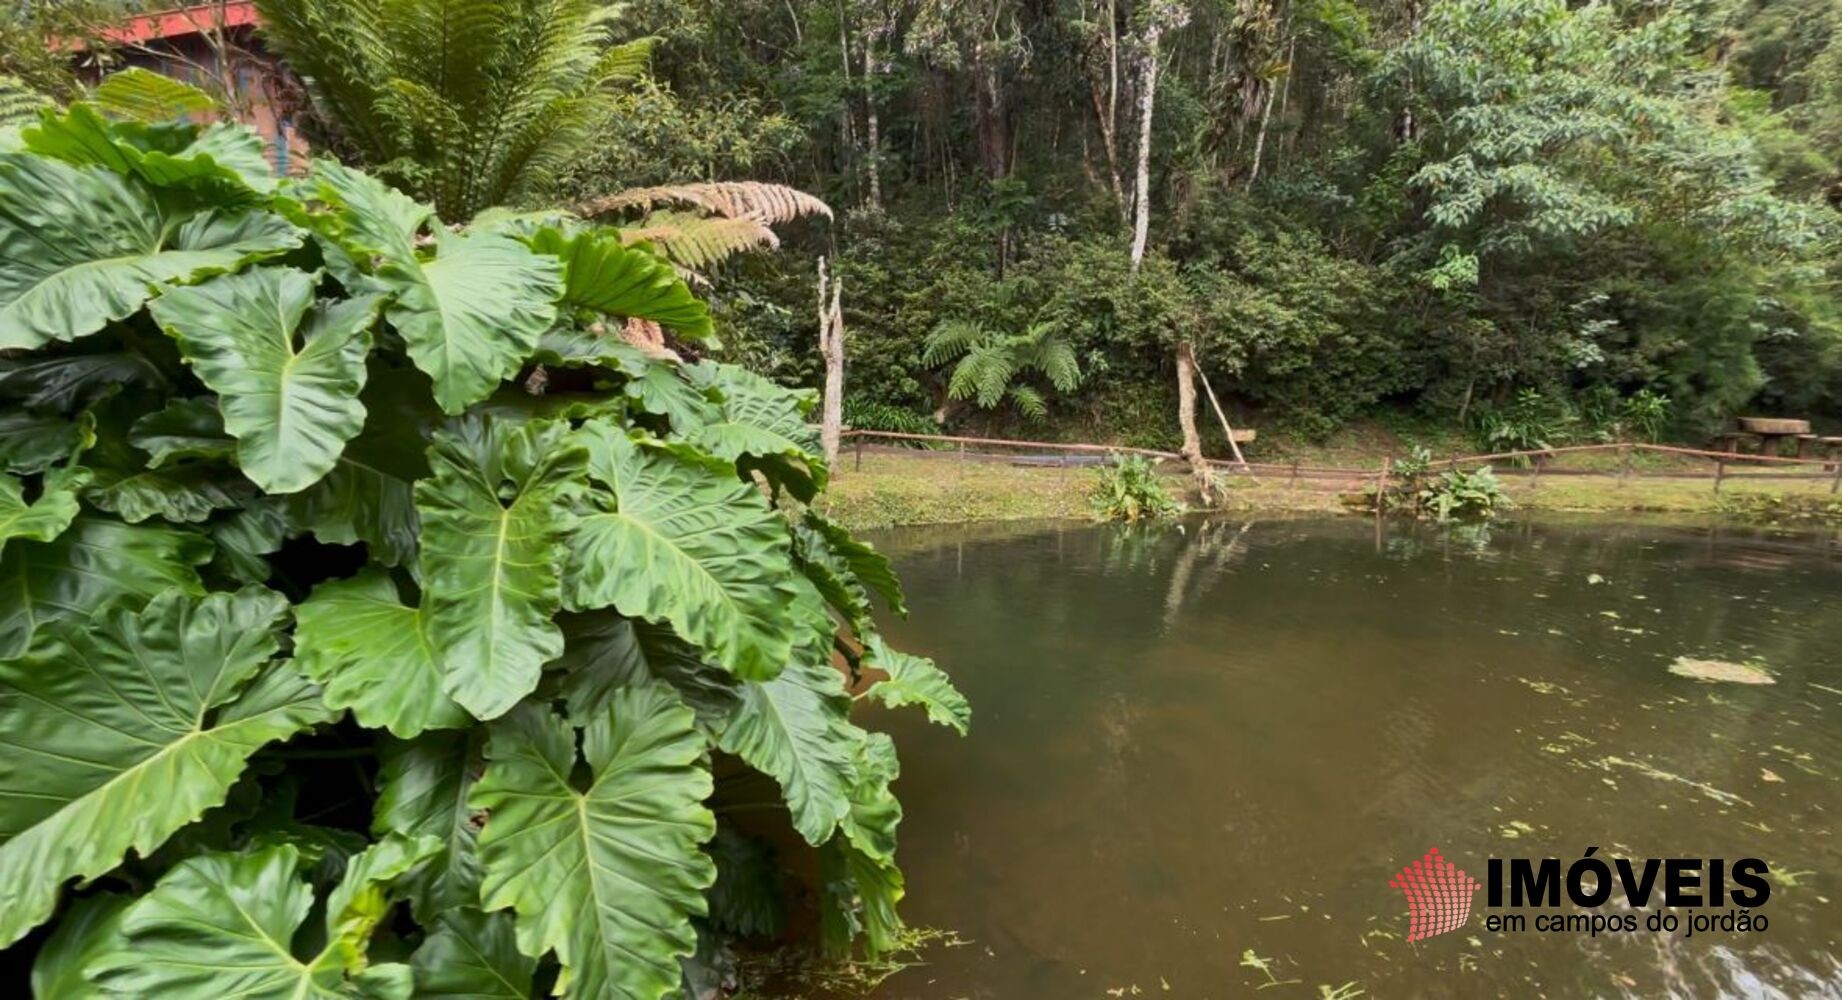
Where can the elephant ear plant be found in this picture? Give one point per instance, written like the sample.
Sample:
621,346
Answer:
374,625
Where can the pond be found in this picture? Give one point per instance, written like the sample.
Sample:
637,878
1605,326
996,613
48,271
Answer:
1199,750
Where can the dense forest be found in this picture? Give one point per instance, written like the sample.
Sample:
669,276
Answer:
1572,219
1533,220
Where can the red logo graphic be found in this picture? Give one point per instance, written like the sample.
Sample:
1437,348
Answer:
1438,895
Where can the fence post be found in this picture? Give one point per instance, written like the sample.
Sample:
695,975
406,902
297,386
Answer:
1292,483
1720,472
1541,459
1381,484
859,466
1837,481
1624,470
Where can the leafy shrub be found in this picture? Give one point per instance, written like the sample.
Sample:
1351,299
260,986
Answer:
1128,488
291,461
1460,494
871,415
1646,414
1530,422
1408,478
989,366
1610,417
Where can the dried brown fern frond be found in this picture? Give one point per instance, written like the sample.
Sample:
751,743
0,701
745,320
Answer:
694,241
769,204
647,336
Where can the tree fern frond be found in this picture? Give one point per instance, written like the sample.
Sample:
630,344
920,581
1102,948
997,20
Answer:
769,204
338,49
982,375
19,104
1056,359
531,156
147,96
486,98
624,62
950,339
1029,402
698,242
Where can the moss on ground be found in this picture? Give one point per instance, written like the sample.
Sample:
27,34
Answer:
905,488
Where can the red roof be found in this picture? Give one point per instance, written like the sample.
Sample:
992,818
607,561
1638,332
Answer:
181,21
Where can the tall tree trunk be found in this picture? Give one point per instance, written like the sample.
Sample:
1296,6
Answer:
1141,184
1141,230
1186,419
1266,118
871,69
831,348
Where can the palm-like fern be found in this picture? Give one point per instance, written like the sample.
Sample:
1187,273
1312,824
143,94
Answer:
988,364
466,103
715,220
475,104
19,103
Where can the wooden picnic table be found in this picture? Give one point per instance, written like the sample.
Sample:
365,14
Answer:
1770,432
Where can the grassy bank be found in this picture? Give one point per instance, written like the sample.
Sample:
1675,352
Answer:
896,488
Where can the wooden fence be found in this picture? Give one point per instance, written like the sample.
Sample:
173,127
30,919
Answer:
1725,465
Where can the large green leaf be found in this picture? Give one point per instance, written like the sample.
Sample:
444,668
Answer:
369,219
604,652
608,877
871,567
369,496
470,314
224,163
660,389
185,493
246,538
874,814
222,925
364,896
862,883
569,348
81,247
915,680
183,428
149,96
373,655
46,517
84,933
31,442
860,896
93,561
288,392
473,314
120,730
761,420
422,792
471,955
494,513
63,382
601,274
674,540
794,728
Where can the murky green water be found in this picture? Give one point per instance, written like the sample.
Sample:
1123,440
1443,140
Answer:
1193,744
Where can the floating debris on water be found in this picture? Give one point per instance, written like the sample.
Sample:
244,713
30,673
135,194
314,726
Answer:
1651,771
1720,670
